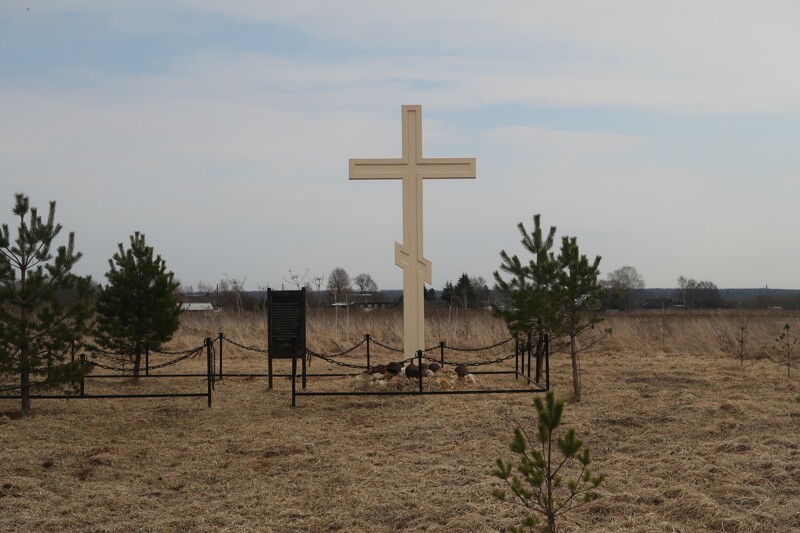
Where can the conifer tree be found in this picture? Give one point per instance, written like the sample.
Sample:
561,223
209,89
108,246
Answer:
577,292
43,306
139,307
464,292
531,289
544,462
551,294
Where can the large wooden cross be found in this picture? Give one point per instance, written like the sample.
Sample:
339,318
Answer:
412,168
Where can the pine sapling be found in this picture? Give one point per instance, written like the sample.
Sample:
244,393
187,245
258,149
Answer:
742,338
786,344
542,466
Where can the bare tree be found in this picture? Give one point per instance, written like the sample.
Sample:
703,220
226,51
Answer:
316,282
683,285
297,281
625,280
701,294
365,284
339,284
237,287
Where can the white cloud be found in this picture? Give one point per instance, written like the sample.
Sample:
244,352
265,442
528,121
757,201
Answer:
236,162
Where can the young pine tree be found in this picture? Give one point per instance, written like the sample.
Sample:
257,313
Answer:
531,287
139,307
544,462
786,343
578,290
43,306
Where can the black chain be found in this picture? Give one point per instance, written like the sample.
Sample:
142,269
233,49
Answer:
482,363
124,356
390,348
108,367
495,345
177,360
340,354
332,361
97,350
260,350
118,359
6,388
179,352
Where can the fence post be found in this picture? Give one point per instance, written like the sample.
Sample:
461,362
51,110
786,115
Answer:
366,338
547,361
419,365
208,368
269,371
516,357
539,355
146,360
294,378
441,353
220,355
303,355
72,352
83,374
530,349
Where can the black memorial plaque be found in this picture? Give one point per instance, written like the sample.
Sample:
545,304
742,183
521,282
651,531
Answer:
286,323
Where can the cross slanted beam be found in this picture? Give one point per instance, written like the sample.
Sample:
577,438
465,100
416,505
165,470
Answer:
412,168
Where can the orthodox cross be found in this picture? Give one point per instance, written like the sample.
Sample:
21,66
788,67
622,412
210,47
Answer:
412,168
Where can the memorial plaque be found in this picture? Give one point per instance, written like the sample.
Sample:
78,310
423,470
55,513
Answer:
286,323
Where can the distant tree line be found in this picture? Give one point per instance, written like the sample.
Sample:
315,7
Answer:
624,290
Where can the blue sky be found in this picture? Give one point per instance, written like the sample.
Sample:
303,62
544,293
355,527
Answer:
661,134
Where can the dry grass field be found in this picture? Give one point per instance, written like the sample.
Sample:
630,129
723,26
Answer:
689,440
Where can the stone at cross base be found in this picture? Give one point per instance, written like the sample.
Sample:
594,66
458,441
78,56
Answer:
412,168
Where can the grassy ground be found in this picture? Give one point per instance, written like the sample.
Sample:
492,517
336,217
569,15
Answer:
688,438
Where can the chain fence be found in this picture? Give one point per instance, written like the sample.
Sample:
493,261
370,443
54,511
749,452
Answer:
244,347
182,356
472,364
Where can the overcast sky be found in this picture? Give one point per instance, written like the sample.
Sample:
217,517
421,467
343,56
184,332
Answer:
663,134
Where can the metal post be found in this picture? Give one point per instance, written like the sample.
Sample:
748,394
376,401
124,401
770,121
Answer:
530,349
516,357
547,361
146,360
366,338
83,374
419,365
294,376
208,368
539,353
441,353
220,354
303,355
269,371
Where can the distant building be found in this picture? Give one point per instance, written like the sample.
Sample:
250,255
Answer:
197,306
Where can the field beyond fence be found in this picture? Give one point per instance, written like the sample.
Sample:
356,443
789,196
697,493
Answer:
690,437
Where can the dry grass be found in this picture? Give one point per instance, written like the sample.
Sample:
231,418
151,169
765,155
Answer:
688,440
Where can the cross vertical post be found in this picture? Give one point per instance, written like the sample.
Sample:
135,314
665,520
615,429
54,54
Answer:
412,168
